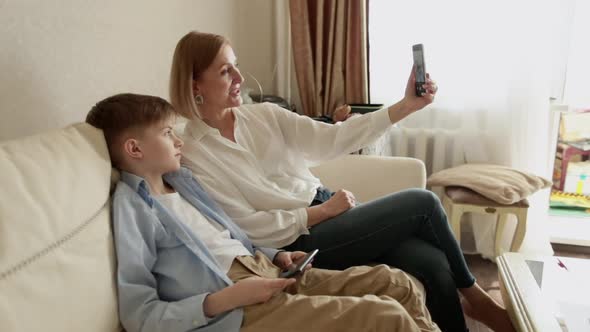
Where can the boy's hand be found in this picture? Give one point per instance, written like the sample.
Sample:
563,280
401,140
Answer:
245,292
284,259
255,290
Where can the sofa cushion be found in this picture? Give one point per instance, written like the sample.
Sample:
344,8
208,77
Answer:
57,263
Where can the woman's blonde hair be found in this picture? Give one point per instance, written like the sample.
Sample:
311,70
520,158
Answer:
194,53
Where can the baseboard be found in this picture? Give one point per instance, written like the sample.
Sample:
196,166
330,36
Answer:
569,248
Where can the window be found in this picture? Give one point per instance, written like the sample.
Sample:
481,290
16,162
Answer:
481,51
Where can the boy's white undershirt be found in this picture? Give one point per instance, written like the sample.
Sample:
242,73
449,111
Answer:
214,235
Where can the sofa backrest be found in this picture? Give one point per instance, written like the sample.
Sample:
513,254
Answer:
57,262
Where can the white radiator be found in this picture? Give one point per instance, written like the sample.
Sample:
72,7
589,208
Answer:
437,148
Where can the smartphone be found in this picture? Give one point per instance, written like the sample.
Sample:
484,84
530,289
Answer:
299,265
418,52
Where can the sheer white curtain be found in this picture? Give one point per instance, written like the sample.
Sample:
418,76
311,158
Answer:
494,64
576,91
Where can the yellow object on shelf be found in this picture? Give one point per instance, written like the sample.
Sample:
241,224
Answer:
561,199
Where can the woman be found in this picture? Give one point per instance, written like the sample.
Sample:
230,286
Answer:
254,159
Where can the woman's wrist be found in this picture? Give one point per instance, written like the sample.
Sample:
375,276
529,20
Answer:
399,111
316,214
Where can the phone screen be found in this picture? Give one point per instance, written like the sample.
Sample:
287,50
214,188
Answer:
418,54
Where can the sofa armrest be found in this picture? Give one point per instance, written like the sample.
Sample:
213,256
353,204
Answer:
370,177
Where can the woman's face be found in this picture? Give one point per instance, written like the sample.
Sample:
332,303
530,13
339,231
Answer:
220,82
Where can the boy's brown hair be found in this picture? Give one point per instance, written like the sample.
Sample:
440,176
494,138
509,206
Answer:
124,113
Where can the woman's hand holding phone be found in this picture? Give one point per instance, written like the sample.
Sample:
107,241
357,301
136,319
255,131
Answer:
414,103
420,89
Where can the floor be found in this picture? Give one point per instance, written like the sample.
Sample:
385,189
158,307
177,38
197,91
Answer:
486,273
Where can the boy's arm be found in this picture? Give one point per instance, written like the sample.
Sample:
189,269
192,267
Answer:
245,292
140,308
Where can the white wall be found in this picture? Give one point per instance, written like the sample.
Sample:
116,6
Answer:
58,58
254,43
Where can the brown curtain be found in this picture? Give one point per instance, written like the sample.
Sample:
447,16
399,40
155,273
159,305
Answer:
330,53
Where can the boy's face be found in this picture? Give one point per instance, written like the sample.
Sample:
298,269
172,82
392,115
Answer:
160,148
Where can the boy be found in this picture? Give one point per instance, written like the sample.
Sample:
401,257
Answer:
184,265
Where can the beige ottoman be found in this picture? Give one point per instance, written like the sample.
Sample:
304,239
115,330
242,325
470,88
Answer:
458,200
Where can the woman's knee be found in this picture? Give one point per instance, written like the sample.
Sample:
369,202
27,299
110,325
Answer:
421,198
432,206
420,193
429,198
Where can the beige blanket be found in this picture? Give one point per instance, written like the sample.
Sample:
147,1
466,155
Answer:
501,184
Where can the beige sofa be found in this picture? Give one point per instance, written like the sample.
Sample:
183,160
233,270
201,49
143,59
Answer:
57,263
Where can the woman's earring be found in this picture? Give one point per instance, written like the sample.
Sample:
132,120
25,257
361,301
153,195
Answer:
199,100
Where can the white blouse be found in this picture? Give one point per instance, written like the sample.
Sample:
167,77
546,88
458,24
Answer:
263,180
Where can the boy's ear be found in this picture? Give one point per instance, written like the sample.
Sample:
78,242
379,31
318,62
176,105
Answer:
132,148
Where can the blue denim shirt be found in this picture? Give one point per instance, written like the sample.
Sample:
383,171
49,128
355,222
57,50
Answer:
164,269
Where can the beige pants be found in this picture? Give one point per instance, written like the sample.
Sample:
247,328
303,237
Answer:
357,299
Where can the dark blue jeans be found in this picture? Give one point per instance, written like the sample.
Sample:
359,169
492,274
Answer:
407,230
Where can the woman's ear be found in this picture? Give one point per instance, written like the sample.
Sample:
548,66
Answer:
132,148
195,88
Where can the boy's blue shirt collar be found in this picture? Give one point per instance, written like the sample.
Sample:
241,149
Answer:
182,172
140,185
183,181
132,180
